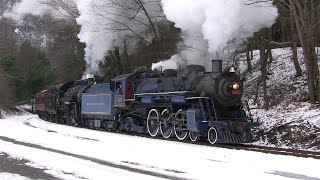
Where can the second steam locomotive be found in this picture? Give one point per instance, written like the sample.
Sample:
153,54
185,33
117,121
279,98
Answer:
197,104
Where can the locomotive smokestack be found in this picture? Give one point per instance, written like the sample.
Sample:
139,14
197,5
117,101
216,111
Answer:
216,66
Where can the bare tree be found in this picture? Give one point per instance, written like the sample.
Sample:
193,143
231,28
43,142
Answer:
135,17
65,8
305,21
304,18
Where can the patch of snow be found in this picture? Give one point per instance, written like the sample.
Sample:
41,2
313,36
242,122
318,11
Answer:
164,157
24,107
65,167
9,176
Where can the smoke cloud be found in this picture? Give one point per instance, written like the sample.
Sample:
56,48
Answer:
106,23
34,7
173,63
220,24
94,25
96,37
208,26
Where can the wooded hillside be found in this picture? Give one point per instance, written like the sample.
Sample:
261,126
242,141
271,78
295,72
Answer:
37,51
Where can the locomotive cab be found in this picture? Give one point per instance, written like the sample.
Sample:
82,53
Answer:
124,91
124,88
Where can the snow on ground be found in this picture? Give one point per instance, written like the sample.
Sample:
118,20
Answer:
9,176
7,112
294,126
290,122
63,149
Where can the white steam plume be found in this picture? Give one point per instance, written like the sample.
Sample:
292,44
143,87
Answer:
220,23
208,25
193,50
173,63
34,7
93,31
106,23
97,39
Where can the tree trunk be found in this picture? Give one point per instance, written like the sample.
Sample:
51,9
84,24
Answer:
251,47
283,29
248,60
269,45
263,59
125,61
295,59
305,31
118,60
311,72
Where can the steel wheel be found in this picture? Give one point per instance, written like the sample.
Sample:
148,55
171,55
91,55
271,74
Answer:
166,127
180,128
194,136
212,135
153,122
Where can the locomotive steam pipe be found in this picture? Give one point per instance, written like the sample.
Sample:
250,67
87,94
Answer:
216,66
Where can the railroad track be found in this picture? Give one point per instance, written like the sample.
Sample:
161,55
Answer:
274,150
247,147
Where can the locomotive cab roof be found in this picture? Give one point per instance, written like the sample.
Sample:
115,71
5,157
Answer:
122,77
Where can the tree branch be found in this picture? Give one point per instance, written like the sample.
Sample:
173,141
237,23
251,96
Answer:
11,77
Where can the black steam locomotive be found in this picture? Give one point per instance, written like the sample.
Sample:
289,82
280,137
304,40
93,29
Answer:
195,104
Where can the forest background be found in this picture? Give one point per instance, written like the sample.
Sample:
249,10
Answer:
37,51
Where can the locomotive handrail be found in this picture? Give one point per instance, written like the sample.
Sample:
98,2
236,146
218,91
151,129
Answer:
165,93
189,98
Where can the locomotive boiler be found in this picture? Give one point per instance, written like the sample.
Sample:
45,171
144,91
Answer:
194,104
224,87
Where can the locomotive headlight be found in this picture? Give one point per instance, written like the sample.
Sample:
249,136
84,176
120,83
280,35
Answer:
235,86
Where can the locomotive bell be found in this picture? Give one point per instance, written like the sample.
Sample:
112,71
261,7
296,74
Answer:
232,69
